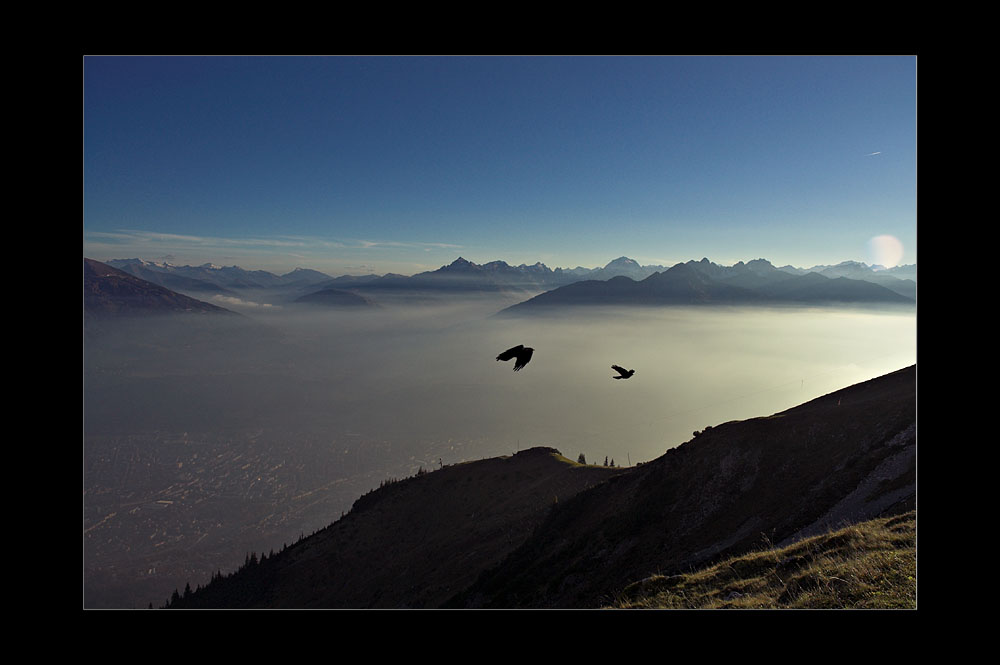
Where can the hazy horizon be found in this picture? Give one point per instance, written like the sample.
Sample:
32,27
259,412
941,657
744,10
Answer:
394,164
252,267
694,365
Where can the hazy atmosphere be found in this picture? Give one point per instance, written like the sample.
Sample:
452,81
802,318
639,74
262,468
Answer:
355,165
431,374
205,443
208,437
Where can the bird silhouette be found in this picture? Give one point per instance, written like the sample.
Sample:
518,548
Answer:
625,373
521,352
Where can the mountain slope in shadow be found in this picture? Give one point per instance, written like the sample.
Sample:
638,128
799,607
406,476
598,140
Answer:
411,543
108,291
839,459
536,530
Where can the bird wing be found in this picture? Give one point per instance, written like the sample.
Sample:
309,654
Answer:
620,370
511,352
523,357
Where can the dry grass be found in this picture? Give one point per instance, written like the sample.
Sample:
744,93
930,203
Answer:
871,565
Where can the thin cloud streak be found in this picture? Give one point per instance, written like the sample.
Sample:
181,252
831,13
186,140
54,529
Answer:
278,254
147,239
374,244
127,235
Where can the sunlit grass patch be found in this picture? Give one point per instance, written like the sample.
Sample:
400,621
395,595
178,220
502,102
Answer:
871,565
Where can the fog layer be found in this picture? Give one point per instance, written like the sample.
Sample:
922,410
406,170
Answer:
431,372
350,398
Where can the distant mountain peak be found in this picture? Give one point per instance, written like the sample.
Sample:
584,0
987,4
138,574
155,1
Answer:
623,262
460,264
538,266
118,263
760,266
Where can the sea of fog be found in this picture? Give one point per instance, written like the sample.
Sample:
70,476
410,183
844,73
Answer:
340,400
414,373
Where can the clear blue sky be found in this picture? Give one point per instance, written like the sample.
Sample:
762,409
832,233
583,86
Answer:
402,164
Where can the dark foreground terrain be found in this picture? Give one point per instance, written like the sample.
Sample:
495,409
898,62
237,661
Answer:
538,530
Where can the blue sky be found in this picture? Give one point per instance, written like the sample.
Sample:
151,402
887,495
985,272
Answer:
401,164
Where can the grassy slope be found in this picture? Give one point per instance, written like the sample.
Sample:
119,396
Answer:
871,565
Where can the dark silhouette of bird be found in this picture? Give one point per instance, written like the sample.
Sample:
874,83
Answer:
521,352
625,373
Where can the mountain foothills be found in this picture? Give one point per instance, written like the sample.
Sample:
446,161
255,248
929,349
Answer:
537,530
108,291
620,282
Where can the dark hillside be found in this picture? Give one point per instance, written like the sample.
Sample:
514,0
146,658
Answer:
537,530
109,292
335,298
841,458
414,542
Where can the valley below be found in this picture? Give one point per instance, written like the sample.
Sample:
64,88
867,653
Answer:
202,445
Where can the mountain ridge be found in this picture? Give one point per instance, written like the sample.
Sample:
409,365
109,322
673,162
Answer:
109,291
778,475
842,458
495,277
703,282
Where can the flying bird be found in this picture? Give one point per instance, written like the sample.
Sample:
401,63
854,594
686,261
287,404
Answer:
625,373
521,352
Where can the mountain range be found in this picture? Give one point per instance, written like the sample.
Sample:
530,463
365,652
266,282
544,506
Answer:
621,281
537,530
702,282
216,279
108,291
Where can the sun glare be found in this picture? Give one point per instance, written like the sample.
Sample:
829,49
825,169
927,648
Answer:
885,250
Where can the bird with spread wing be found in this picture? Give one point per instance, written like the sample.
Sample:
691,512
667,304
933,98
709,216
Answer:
625,373
522,354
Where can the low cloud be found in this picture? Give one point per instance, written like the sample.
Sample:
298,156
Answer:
239,302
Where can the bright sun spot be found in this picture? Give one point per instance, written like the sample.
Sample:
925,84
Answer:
885,250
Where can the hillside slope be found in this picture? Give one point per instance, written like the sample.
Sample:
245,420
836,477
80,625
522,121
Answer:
841,458
535,530
869,565
414,542
108,291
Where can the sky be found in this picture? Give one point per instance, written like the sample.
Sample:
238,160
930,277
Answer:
356,165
